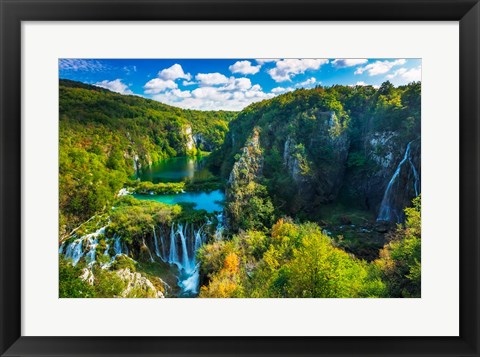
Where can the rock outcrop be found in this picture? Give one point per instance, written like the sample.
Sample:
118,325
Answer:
137,285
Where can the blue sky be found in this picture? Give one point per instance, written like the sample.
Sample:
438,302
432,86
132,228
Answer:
232,84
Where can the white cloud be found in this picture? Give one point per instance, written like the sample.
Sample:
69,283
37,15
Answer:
188,83
158,85
407,75
287,68
266,60
360,83
174,72
244,67
72,64
237,84
181,93
209,79
348,62
115,86
379,67
235,94
278,90
307,83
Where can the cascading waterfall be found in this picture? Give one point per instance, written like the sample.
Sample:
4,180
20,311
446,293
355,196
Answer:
388,212
220,227
83,246
117,245
185,240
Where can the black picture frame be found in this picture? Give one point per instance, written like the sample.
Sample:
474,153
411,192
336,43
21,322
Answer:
13,12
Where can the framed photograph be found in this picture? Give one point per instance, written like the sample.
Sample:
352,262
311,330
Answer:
240,178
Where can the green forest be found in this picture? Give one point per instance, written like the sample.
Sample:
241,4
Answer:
314,193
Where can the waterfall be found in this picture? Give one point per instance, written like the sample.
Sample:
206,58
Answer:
415,174
148,250
75,251
388,211
198,240
107,248
155,241
191,283
164,247
173,255
83,246
220,227
92,245
185,240
117,245
185,260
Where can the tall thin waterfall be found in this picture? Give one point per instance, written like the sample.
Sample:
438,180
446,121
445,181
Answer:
148,250
155,241
173,255
164,246
388,210
185,260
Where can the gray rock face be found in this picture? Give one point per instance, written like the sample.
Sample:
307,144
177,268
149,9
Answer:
189,140
250,164
202,143
403,186
137,284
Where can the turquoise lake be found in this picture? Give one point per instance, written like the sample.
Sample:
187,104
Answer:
209,201
176,170
181,169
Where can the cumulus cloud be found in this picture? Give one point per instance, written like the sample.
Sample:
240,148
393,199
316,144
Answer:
115,86
309,82
211,79
174,72
261,61
244,67
188,83
407,75
157,85
285,69
278,90
73,64
348,62
237,84
379,67
234,94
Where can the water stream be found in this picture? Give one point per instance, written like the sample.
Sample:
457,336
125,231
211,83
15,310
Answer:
389,211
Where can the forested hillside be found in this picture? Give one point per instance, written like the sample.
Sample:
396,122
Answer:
106,137
319,194
328,145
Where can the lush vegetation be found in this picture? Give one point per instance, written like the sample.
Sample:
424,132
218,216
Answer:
105,136
327,134
304,175
298,260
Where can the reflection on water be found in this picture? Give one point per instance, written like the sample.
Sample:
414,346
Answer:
175,170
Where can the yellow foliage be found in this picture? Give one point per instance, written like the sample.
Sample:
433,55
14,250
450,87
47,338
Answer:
283,229
219,287
231,263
